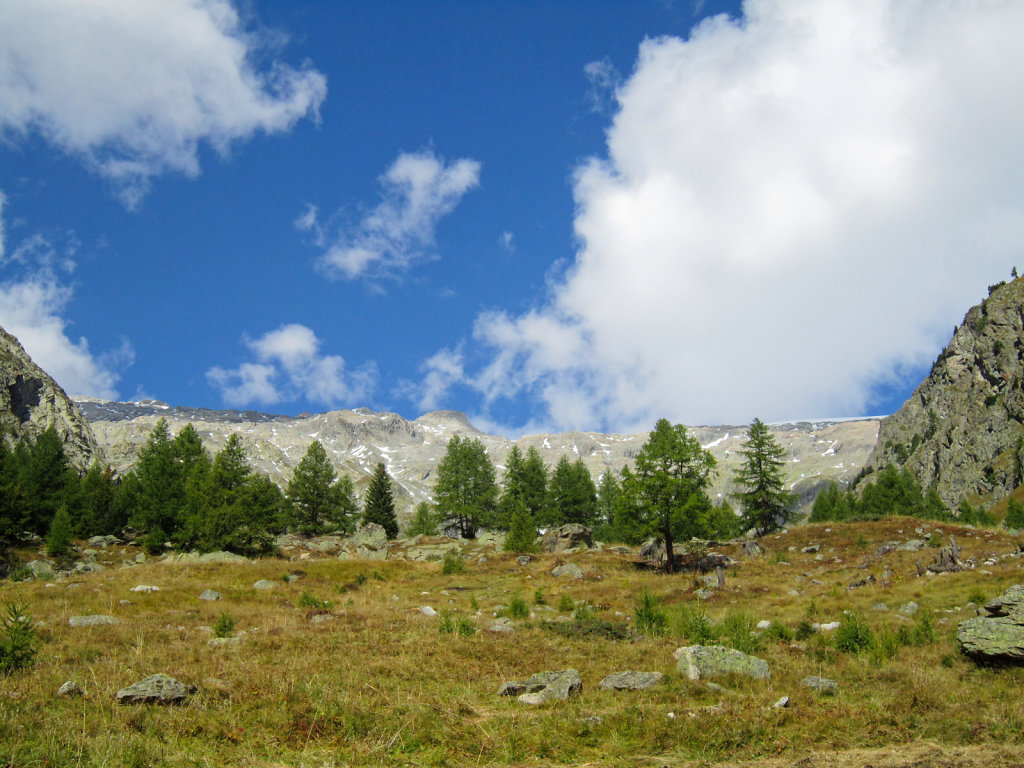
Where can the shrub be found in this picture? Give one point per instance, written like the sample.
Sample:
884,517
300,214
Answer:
565,603
695,626
780,633
738,631
804,630
58,540
649,615
453,624
854,635
224,626
583,612
924,629
538,597
306,600
17,640
453,562
589,629
517,608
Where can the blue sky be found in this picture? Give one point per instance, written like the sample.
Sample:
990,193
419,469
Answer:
549,215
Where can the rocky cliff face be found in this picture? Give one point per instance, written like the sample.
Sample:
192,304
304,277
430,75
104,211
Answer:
357,440
961,430
31,402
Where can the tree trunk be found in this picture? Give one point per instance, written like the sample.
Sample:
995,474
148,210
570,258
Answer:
670,558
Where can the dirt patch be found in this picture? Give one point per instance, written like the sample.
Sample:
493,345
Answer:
917,755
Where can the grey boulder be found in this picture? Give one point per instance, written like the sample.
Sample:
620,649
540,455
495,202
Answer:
699,662
544,686
630,681
156,689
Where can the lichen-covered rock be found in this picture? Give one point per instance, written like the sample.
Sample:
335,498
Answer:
371,536
93,620
545,686
156,689
995,639
630,681
31,402
264,584
221,557
210,594
820,685
1008,602
70,689
567,538
699,662
569,570
959,431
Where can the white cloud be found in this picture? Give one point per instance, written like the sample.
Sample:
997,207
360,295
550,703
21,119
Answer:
441,371
794,207
508,241
289,366
417,191
32,307
132,87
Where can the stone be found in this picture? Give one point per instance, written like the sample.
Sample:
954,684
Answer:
821,685
140,557
764,624
210,594
880,607
365,553
103,541
545,686
265,584
40,569
426,610
812,549
371,536
567,538
704,594
782,703
144,588
524,560
751,548
501,626
570,570
630,681
70,689
1007,602
88,567
908,609
914,545
93,620
320,618
699,662
156,689
999,637
221,557
224,642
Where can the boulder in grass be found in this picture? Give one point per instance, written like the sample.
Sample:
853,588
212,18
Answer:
156,689
821,685
545,686
630,681
93,620
999,637
210,594
570,570
699,662
567,538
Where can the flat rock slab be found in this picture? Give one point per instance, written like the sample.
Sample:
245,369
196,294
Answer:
210,594
93,620
570,570
265,584
996,639
631,681
699,662
544,686
1007,602
221,557
821,685
156,689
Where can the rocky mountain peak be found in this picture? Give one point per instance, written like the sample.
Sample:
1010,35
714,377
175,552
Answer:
961,431
31,402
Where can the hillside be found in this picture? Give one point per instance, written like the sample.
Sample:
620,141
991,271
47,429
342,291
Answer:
356,440
31,402
961,431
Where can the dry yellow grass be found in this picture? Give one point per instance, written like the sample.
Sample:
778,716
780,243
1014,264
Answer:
379,685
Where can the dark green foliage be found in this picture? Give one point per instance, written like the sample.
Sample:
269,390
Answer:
424,521
379,506
522,534
45,481
17,640
517,608
224,626
320,501
1014,515
854,635
572,496
589,629
723,523
766,504
465,492
451,623
453,563
649,615
997,286
894,493
667,493
100,513
58,540
979,516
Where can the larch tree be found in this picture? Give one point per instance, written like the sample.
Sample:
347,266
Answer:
766,504
379,505
319,499
465,492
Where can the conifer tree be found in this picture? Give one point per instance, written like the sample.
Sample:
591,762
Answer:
535,482
766,504
98,515
379,506
45,479
572,495
319,500
522,532
58,540
465,491
240,506
424,521
667,492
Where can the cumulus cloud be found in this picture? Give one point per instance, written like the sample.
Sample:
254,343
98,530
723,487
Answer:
440,372
795,206
133,87
416,192
33,302
289,366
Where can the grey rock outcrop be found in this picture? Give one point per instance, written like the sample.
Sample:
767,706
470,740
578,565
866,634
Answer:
999,637
821,685
567,538
156,689
699,662
959,432
70,689
31,402
93,620
630,681
569,570
545,686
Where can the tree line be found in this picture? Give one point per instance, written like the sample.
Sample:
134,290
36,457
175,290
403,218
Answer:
178,494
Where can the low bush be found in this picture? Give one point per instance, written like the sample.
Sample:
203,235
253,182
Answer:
453,563
17,640
649,615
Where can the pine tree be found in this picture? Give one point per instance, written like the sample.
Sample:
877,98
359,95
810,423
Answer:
379,506
240,505
513,488
58,540
45,479
159,500
522,533
766,504
98,515
318,499
572,495
535,482
424,521
465,491
667,492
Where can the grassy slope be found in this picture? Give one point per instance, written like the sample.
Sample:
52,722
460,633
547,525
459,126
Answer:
378,685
